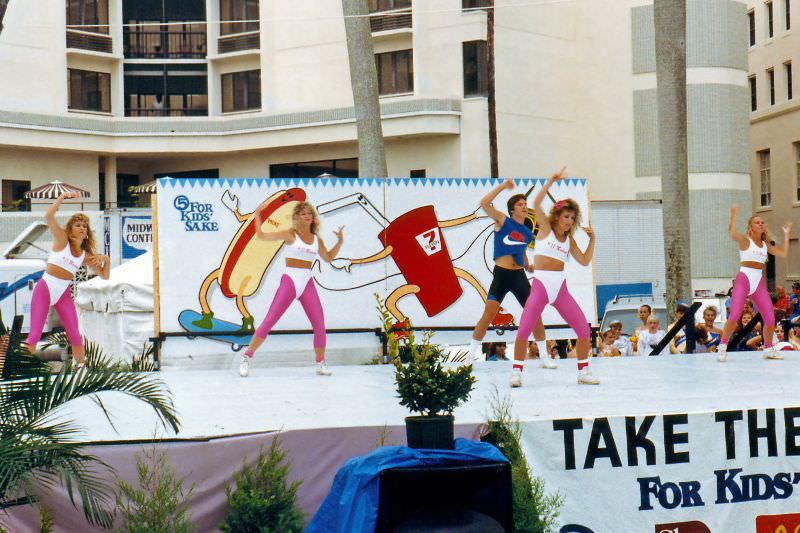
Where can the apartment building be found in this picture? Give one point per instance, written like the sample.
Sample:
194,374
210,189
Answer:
110,93
774,156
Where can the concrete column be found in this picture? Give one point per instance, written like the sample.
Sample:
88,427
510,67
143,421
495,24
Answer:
109,166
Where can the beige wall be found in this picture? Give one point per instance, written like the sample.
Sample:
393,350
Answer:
777,128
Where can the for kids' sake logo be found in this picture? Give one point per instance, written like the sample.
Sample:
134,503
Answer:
195,216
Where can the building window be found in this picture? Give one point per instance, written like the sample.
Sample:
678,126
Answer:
88,15
787,14
241,91
797,171
763,170
770,20
238,16
14,195
753,93
341,168
474,4
418,173
771,83
395,72
89,91
476,78
787,75
166,90
751,18
376,6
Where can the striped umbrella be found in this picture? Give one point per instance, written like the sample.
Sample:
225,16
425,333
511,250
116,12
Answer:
148,188
54,189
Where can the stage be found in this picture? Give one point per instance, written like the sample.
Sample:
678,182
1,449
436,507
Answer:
325,420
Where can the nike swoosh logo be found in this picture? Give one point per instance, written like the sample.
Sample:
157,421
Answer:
512,243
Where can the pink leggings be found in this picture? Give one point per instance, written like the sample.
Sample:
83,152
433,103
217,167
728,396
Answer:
761,299
564,303
309,299
65,307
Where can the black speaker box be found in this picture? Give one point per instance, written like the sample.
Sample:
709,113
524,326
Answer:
465,499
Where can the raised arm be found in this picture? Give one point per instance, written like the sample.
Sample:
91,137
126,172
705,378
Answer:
486,202
541,216
285,235
329,255
583,257
783,251
740,239
60,239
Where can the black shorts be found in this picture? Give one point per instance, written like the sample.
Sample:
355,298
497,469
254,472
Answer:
513,281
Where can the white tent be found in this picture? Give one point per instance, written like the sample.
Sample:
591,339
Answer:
117,313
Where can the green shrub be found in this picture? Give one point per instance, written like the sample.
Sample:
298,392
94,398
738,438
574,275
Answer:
535,511
159,503
263,500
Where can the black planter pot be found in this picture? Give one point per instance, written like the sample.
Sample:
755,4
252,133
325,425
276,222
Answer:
431,432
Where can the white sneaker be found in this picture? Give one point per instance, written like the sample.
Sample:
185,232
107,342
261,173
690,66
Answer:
244,366
516,378
722,353
772,353
547,362
322,369
585,377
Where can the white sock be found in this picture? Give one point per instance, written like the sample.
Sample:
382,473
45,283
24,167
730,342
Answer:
475,348
542,345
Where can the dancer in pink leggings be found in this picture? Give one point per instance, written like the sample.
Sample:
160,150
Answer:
753,250
554,245
73,246
303,247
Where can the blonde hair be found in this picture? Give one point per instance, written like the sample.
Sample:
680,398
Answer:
299,208
765,235
564,205
88,243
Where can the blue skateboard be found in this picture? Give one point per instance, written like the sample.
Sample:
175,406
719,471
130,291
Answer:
221,328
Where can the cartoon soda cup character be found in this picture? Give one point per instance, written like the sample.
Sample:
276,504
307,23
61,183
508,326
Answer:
415,241
247,258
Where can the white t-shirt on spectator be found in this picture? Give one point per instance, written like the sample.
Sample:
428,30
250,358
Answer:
623,344
647,341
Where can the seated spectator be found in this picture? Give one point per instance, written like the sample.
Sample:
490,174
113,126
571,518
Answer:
621,342
649,339
533,350
745,344
701,338
607,348
794,301
794,337
678,342
497,352
748,307
781,299
714,333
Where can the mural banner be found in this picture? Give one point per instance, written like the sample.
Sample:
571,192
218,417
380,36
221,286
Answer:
422,245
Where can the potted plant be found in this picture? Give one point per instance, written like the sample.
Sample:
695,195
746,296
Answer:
425,386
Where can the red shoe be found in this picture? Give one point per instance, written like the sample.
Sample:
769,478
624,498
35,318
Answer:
400,328
502,319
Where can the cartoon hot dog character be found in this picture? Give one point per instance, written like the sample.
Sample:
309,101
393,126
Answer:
247,258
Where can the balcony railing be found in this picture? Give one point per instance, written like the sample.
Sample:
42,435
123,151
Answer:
158,44
172,112
391,20
238,42
96,42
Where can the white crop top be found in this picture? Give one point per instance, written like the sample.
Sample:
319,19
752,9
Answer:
757,254
550,246
302,251
65,259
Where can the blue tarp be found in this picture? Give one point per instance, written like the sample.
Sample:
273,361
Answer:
351,506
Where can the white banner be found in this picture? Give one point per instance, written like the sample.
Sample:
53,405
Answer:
398,233
718,472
